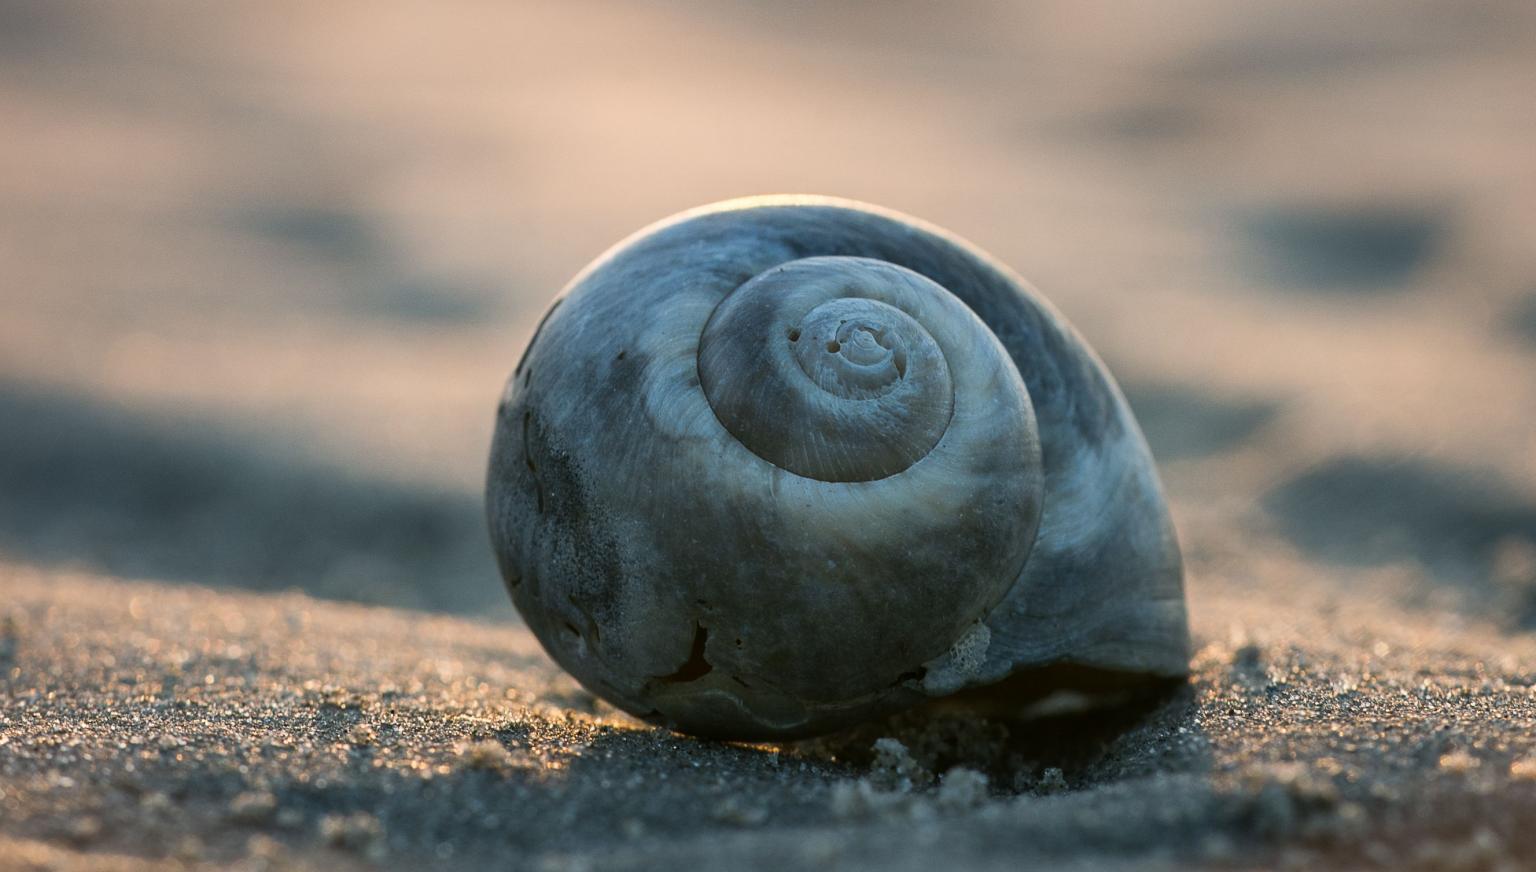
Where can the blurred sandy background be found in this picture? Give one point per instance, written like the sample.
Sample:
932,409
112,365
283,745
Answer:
264,266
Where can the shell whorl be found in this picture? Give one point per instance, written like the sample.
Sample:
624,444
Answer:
825,366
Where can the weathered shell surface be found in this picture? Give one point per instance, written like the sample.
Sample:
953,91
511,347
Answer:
777,465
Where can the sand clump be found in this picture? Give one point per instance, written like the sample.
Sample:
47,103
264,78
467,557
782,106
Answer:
358,831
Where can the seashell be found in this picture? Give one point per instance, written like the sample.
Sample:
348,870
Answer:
778,465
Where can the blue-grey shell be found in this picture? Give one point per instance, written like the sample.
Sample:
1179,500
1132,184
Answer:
691,600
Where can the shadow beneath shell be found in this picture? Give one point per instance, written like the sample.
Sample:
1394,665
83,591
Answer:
1057,742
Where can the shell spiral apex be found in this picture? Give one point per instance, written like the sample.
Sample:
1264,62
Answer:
778,465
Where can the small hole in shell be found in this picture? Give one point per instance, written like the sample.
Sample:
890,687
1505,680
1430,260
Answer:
794,334
834,347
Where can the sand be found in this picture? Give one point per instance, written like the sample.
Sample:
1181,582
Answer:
143,722
266,267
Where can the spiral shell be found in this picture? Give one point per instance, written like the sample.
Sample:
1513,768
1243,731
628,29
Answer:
778,465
